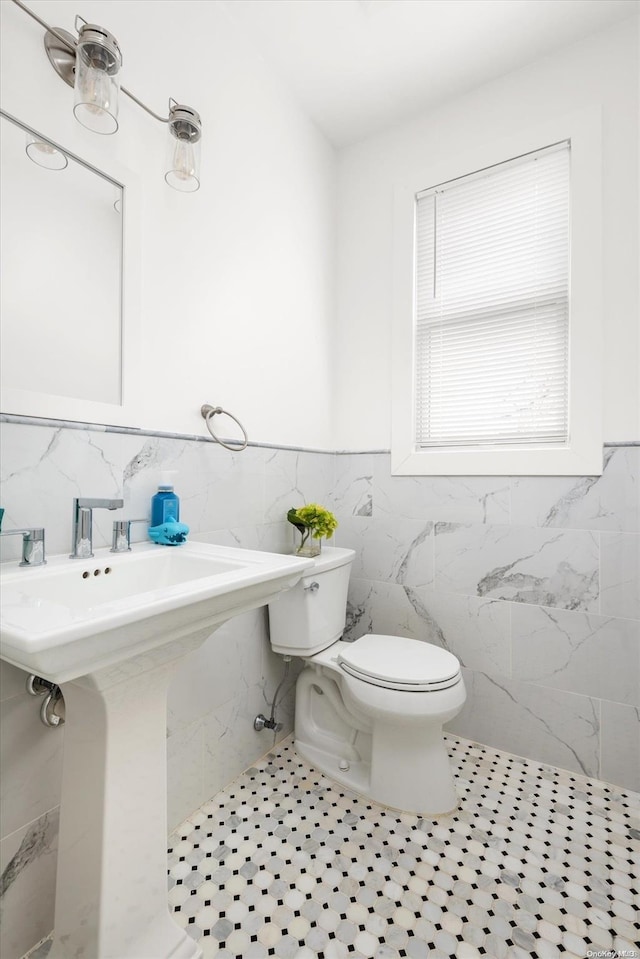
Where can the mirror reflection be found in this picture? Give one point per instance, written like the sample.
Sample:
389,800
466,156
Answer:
61,251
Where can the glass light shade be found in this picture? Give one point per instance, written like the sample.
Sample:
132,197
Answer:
45,154
183,149
97,82
183,171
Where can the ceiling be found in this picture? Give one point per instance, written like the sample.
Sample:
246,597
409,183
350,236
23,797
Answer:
358,66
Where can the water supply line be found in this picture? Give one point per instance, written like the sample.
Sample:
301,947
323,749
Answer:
261,722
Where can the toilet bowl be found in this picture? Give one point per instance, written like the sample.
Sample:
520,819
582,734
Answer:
369,714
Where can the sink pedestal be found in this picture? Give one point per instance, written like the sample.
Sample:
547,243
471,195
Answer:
111,633
111,892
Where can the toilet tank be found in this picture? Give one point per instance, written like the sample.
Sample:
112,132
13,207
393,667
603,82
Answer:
307,618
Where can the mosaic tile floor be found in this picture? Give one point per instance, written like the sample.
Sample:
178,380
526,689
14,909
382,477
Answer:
536,863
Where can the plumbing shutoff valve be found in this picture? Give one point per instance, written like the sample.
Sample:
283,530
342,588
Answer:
261,722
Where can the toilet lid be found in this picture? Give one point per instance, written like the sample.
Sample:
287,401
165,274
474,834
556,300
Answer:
400,663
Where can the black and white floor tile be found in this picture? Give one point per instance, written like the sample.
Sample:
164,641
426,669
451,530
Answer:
535,863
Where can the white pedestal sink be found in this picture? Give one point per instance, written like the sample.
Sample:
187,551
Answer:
111,631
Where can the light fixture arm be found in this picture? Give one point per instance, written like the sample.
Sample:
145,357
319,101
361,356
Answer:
71,47
34,16
156,116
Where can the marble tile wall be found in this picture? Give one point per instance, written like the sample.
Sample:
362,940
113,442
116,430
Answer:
533,583
239,499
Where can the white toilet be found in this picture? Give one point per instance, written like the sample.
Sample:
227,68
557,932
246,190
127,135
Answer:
369,714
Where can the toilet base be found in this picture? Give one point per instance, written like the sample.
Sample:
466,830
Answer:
410,770
356,777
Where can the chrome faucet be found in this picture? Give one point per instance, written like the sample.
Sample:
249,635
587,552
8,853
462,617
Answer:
82,530
32,545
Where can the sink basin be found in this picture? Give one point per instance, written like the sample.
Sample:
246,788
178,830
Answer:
71,617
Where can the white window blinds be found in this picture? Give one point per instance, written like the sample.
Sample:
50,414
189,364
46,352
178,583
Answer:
492,306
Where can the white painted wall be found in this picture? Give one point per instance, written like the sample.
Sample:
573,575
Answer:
236,281
237,292
599,70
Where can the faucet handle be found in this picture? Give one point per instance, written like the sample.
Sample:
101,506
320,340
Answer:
32,545
121,538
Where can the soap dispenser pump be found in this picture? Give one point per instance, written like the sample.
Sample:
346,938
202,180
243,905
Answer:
165,505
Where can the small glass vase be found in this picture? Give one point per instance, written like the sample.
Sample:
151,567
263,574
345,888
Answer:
304,543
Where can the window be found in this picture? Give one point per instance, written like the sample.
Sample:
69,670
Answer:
495,364
492,305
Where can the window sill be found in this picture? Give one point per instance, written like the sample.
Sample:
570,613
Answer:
514,461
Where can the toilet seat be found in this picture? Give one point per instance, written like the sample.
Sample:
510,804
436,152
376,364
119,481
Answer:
395,662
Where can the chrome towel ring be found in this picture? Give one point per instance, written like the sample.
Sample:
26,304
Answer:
207,412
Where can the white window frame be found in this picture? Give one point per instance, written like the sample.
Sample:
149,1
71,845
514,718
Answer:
582,455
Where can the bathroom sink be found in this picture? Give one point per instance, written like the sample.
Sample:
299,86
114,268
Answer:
73,616
112,631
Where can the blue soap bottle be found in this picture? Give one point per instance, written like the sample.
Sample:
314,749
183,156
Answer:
165,505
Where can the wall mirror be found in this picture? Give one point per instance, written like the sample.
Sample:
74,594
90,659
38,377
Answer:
63,339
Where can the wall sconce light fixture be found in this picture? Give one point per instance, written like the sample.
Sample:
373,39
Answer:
97,78
183,148
91,64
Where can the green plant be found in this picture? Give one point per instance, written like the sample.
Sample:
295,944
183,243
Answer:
313,520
